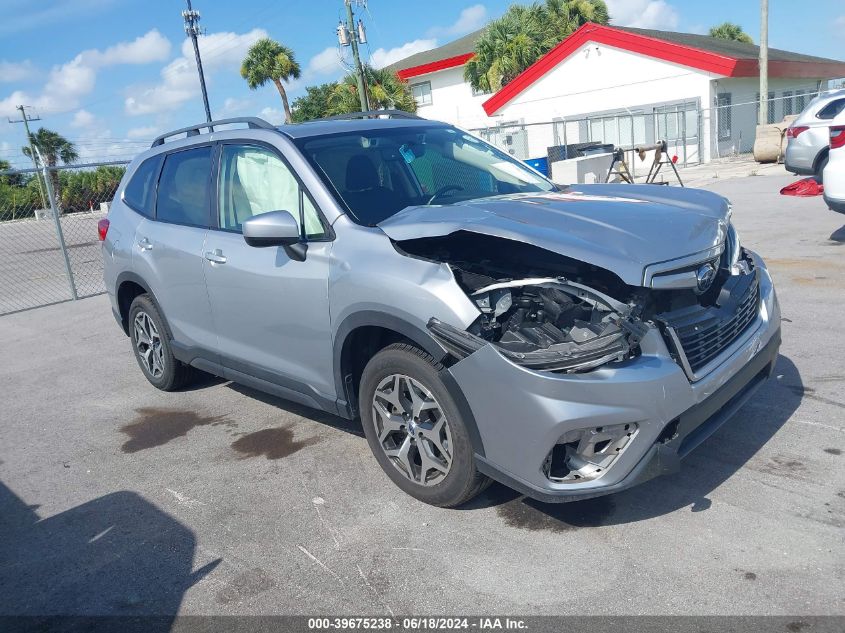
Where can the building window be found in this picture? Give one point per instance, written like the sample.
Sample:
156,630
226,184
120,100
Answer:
677,122
770,108
422,93
800,100
723,115
787,103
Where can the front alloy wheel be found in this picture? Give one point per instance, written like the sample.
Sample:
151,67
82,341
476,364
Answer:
412,429
418,434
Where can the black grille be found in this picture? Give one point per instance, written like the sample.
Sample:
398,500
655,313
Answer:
704,333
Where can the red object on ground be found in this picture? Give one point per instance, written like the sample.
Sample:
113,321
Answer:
804,187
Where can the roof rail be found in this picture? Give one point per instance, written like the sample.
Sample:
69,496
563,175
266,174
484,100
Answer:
373,114
193,130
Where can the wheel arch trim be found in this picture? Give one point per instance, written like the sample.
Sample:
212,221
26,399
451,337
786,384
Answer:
418,336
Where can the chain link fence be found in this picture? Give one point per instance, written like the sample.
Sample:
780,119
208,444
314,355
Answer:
693,133
49,248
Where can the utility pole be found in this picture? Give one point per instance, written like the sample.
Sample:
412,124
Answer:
348,34
764,63
25,120
192,28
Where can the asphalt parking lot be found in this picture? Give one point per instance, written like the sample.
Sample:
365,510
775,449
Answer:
117,498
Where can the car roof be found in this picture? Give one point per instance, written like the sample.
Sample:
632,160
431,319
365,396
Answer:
323,127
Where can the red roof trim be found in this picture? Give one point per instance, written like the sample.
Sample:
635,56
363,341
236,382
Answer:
685,55
659,49
441,64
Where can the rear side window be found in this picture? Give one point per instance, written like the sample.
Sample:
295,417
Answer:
831,110
140,192
183,188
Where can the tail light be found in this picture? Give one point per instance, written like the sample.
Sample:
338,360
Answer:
103,228
837,136
793,132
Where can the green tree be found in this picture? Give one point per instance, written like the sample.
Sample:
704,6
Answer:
523,34
730,31
386,91
267,60
54,148
314,104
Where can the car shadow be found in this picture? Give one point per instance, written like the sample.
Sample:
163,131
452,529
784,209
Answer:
705,469
117,555
838,235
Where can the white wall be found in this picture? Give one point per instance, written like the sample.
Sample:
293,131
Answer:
743,91
452,99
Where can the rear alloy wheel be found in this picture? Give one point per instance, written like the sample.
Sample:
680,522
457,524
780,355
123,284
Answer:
151,344
416,430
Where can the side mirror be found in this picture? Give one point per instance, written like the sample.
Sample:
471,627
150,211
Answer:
275,228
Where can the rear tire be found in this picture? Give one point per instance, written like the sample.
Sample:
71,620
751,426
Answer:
415,429
151,344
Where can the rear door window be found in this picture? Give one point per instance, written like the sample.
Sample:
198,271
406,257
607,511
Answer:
140,191
831,110
183,187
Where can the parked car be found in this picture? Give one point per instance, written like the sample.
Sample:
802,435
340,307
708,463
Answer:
480,320
807,136
834,172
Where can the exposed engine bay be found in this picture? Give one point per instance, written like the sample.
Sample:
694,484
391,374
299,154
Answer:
548,322
548,312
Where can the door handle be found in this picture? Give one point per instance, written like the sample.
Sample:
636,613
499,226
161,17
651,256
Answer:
215,257
144,244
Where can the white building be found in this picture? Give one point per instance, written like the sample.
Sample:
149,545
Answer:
624,86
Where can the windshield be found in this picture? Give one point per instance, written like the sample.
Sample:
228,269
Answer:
377,173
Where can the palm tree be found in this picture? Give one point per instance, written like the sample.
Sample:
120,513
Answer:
53,147
523,34
267,60
730,31
385,91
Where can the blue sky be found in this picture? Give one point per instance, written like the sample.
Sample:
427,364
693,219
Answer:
111,74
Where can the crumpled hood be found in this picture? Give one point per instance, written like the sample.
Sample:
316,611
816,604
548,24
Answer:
622,228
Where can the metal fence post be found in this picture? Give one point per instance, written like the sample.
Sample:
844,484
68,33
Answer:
54,207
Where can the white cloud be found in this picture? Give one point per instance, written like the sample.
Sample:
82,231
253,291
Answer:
144,132
644,14
83,119
470,19
179,82
232,106
272,115
384,57
326,62
16,71
69,82
151,47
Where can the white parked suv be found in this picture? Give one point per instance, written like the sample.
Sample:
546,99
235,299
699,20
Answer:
834,172
807,137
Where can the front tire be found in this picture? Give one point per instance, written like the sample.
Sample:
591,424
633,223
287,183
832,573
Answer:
151,344
415,430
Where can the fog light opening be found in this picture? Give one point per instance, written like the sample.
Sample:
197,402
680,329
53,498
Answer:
584,454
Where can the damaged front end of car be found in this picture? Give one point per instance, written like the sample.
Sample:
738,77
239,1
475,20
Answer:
534,307
547,324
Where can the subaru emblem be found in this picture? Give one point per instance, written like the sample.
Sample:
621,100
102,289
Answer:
704,277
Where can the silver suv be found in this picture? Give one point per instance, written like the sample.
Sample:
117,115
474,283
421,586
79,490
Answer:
808,136
482,321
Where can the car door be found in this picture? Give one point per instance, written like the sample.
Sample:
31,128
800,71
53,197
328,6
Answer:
168,249
270,310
